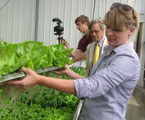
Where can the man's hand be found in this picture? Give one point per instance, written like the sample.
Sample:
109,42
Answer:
80,57
63,41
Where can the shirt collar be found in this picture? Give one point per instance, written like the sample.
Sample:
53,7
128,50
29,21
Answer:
120,48
101,41
123,47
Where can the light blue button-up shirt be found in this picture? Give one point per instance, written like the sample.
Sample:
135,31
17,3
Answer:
110,85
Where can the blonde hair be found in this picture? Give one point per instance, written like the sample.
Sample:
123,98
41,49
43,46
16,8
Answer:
121,19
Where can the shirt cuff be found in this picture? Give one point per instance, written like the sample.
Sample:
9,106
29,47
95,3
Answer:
81,90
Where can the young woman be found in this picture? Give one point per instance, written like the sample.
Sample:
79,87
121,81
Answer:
112,79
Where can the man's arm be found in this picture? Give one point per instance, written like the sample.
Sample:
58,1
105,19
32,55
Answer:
66,44
80,57
77,54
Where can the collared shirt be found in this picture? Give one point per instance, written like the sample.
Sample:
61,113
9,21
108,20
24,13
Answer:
110,85
90,53
84,42
100,44
100,47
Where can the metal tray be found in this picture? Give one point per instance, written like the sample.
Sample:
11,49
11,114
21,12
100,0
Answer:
20,74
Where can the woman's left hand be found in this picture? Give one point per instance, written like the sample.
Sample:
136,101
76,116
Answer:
63,71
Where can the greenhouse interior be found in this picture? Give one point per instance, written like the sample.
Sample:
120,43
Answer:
31,33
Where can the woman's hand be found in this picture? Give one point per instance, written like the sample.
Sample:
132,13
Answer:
30,80
63,71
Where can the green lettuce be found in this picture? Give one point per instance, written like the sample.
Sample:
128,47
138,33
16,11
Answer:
32,55
60,55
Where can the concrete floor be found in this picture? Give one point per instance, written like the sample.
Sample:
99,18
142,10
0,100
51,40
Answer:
136,105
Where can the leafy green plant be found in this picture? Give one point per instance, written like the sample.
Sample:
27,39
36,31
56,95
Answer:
42,103
32,55
38,103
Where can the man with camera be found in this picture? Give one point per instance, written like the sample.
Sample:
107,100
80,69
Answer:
82,25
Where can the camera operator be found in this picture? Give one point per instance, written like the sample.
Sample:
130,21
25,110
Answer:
82,25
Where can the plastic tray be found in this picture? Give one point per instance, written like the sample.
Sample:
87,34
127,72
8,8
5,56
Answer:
21,74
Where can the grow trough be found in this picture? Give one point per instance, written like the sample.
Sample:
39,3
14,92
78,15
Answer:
20,74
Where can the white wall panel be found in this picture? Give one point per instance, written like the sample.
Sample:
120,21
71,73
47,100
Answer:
10,24
17,19
102,6
4,26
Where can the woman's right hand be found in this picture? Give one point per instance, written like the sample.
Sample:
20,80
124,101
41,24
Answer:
63,71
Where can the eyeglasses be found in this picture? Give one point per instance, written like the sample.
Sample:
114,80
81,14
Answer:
96,31
123,6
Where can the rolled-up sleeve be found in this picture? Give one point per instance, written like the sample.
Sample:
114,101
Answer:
121,69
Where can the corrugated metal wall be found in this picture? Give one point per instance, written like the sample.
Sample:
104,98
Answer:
102,6
17,18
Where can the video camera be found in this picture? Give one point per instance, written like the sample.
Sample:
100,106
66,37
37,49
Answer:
58,29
